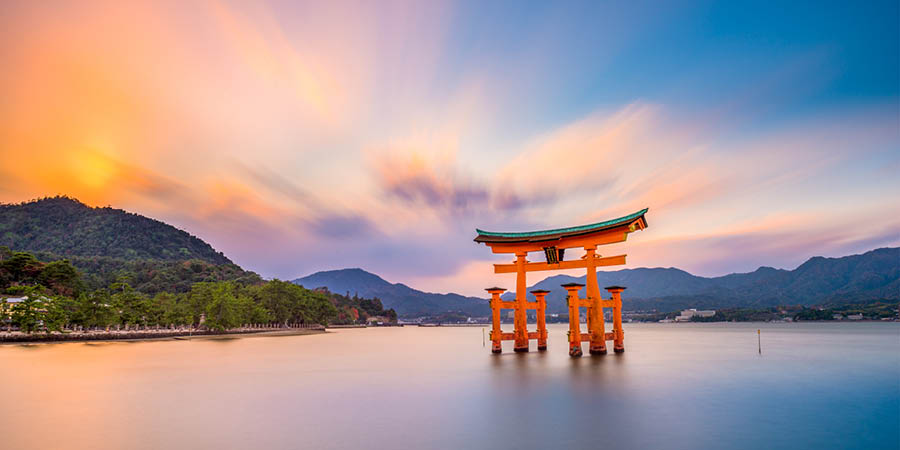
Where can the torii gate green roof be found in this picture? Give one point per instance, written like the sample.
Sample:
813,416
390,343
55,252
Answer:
536,236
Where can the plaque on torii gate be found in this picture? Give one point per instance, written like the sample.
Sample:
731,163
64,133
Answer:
552,244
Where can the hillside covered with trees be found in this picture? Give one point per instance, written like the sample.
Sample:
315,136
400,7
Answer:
111,245
64,226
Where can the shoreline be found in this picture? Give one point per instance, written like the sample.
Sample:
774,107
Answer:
156,335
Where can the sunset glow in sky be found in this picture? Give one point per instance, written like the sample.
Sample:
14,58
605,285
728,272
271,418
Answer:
303,137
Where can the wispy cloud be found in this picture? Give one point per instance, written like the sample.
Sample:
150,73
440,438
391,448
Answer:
428,178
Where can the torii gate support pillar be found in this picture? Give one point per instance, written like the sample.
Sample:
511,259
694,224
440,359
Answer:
541,318
574,319
496,334
618,332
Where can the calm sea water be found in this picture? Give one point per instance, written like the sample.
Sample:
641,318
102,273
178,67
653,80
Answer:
677,386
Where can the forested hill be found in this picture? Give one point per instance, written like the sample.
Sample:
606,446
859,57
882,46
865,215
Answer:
64,226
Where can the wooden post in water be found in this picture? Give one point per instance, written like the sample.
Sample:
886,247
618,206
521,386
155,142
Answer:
541,295
574,319
759,341
618,332
496,335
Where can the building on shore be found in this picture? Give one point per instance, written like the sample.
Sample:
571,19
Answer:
688,314
6,307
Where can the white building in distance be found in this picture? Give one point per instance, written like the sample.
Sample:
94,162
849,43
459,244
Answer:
687,314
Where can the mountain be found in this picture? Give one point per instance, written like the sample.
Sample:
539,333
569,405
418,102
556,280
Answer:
64,226
106,244
874,275
405,300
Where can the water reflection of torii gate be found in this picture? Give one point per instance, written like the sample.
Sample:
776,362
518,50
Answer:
553,244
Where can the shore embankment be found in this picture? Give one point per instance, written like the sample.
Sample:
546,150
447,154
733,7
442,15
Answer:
17,337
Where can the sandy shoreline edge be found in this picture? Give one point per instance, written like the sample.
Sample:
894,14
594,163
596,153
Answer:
136,336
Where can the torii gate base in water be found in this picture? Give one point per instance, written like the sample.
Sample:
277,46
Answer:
553,244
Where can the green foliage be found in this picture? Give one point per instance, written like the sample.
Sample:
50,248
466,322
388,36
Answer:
19,267
320,308
27,314
134,308
173,308
96,310
53,315
288,302
876,310
281,299
354,309
251,311
220,305
61,277
154,276
23,269
223,311
815,314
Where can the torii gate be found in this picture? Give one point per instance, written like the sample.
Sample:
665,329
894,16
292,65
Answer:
553,244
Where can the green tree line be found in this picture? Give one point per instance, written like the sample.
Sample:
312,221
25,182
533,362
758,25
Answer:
55,298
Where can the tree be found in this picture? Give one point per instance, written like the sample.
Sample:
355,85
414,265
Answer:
97,309
174,308
61,277
391,315
4,309
27,314
65,310
320,308
251,311
223,311
283,299
54,315
133,307
21,268
200,296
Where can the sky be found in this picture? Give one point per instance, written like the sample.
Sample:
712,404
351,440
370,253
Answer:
297,137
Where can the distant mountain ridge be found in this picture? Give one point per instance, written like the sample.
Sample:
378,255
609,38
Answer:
405,300
64,226
874,275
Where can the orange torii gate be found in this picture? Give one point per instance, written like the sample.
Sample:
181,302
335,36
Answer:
553,244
